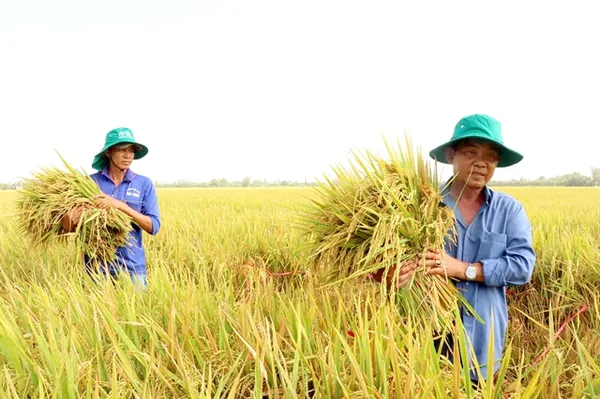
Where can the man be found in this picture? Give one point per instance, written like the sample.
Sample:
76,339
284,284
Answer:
131,194
494,236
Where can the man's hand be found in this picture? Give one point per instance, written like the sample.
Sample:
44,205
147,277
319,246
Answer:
445,265
104,201
442,264
406,273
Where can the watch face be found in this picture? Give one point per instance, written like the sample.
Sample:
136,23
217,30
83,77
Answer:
471,273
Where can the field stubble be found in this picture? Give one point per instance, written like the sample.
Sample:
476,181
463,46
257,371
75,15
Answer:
232,311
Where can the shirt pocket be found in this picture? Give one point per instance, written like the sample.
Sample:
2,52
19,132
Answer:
135,205
491,246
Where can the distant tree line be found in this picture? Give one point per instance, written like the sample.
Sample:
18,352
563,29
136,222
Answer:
568,180
245,182
8,186
220,182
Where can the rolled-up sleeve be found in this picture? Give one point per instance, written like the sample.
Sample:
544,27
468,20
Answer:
151,207
516,265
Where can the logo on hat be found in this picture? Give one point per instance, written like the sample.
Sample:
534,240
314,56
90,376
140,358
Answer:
125,134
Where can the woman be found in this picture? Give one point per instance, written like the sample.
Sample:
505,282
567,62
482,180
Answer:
129,193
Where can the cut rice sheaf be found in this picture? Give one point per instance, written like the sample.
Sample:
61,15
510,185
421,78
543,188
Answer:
377,214
51,194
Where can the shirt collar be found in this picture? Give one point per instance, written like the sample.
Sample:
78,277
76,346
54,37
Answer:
128,174
487,195
487,192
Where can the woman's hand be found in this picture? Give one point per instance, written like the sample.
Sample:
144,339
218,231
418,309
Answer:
71,219
104,201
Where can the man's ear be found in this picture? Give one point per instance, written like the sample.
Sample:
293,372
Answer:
450,154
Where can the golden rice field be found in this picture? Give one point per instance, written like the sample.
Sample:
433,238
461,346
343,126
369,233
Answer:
216,322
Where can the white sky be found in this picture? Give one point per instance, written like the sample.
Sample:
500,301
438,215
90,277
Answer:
284,89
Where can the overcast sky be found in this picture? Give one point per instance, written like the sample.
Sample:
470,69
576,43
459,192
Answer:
282,89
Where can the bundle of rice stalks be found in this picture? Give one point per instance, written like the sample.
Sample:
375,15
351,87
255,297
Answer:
51,194
379,214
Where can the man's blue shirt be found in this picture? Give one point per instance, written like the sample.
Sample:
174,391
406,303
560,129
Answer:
500,237
139,193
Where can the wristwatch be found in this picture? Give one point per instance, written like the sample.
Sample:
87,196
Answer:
471,273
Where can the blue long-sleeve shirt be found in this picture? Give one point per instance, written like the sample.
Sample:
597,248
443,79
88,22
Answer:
139,193
500,237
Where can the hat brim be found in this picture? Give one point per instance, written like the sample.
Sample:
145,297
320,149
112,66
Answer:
101,160
508,157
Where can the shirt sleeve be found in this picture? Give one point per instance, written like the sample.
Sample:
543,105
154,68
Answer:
151,207
516,265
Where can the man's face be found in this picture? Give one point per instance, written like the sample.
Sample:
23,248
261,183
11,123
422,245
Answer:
474,162
121,155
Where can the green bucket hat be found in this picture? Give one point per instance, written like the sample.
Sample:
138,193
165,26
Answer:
120,135
482,127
